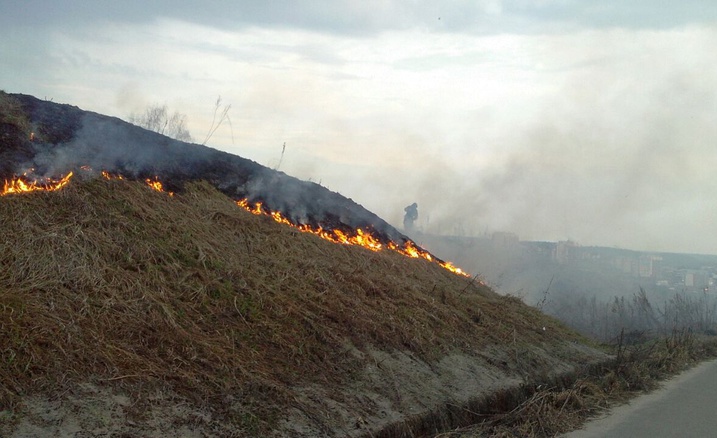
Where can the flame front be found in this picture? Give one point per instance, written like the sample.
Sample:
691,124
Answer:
154,184
21,184
107,175
364,238
337,236
157,185
361,237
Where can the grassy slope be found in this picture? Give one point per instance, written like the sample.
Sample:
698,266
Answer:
111,282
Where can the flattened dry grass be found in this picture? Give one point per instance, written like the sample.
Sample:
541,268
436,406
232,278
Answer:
113,282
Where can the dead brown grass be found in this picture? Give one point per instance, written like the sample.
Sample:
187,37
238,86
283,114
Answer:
564,404
113,282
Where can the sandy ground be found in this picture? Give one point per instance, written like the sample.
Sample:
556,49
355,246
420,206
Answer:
395,386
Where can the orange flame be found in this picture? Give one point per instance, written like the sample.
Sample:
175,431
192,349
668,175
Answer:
453,268
155,184
107,175
21,184
361,237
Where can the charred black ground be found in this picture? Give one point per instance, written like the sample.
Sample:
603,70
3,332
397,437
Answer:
63,138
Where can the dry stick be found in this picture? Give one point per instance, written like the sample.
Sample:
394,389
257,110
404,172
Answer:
468,410
570,394
121,377
214,118
239,312
469,283
283,149
224,116
545,295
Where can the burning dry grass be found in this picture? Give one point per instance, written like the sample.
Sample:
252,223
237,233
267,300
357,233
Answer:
112,282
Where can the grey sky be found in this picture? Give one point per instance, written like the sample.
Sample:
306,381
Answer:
553,119
350,16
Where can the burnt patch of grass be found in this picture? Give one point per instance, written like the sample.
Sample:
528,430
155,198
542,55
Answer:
12,114
15,135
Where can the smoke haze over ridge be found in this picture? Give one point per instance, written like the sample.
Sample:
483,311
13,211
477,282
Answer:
553,120
70,139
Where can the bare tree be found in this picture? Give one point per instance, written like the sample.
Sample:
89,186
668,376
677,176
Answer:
157,118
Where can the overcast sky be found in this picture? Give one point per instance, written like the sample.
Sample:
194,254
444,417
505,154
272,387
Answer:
553,119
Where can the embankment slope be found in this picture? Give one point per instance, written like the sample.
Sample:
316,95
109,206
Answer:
125,309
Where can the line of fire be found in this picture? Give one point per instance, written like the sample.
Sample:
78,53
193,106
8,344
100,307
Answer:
359,237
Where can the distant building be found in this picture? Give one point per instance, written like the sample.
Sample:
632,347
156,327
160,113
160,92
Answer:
645,268
627,265
504,240
564,251
696,279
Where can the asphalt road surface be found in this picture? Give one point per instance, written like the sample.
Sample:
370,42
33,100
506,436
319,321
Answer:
685,406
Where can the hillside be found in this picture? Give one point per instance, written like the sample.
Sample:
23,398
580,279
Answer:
127,311
190,308
48,139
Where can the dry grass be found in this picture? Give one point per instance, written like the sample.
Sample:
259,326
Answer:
563,405
113,282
